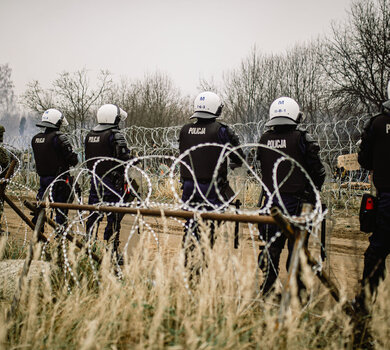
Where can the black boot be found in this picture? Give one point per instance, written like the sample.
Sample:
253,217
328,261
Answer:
374,270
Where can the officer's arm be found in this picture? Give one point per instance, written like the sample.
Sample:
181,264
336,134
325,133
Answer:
122,152
315,168
66,149
366,144
227,135
4,158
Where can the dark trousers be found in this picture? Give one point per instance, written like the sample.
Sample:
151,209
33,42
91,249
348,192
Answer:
60,193
106,193
379,247
192,197
269,257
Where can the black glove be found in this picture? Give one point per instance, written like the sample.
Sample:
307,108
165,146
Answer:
117,181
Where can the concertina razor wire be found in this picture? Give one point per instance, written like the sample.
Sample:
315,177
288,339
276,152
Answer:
156,163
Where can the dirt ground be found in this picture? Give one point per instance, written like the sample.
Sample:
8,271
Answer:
345,248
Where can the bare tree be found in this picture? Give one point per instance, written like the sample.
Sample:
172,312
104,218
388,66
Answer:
305,80
357,57
330,78
6,88
10,115
36,98
72,94
151,102
247,90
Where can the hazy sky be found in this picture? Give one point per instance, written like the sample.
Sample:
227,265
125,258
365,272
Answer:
186,39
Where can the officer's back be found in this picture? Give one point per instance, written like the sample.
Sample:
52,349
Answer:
204,164
285,136
54,156
375,146
53,152
106,141
374,155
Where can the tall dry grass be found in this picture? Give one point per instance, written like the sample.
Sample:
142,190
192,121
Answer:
162,191
153,304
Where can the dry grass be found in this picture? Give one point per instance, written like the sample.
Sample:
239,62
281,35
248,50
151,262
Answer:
162,191
154,305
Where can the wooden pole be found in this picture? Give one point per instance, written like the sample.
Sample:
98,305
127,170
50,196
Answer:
21,214
256,219
289,231
293,270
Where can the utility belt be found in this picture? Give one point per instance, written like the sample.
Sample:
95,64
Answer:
223,186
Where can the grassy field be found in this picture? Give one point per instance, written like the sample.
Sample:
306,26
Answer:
151,302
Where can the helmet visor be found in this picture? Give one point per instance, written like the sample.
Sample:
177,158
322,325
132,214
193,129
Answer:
203,115
280,121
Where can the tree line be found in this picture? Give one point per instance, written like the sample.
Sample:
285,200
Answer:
331,77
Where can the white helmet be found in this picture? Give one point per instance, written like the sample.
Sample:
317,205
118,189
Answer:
207,105
284,111
110,114
52,118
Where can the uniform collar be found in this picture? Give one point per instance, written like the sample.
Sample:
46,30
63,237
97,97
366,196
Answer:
203,116
47,125
205,121
281,121
103,127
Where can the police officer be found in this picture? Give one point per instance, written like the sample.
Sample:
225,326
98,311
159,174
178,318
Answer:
4,156
53,155
203,160
4,163
107,182
374,155
284,135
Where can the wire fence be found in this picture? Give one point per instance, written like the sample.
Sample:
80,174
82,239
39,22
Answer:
157,148
156,164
